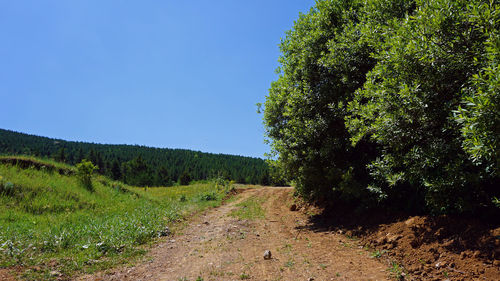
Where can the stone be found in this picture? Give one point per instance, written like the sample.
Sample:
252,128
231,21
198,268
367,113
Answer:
267,255
440,264
165,231
56,273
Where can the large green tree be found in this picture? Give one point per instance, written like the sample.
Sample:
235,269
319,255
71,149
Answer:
425,63
394,100
324,60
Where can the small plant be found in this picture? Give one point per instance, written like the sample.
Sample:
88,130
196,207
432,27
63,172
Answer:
85,170
182,198
199,278
496,202
289,263
244,276
209,196
397,270
322,265
377,254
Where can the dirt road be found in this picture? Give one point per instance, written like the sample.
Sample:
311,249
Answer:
218,246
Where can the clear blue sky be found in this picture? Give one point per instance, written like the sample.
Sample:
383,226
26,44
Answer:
177,74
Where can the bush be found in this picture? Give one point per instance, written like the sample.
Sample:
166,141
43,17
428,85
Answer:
209,196
85,169
369,95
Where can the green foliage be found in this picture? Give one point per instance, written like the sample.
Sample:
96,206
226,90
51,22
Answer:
210,196
85,170
478,113
249,209
407,103
137,172
390,101
51,216
185,179
324,60
158,167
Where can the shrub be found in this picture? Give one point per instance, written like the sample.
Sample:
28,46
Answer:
209,196
85,169
390,101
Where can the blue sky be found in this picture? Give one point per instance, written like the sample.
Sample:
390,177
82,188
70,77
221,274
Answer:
177,74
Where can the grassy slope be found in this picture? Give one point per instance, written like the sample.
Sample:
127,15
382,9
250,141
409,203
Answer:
48,221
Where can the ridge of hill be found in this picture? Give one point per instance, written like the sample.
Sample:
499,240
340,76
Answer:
139,165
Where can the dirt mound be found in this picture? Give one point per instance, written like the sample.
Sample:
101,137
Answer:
441,247
428,248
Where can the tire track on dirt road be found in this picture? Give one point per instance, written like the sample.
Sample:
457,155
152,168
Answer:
217,246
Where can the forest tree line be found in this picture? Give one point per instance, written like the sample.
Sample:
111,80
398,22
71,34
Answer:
392,103
140,165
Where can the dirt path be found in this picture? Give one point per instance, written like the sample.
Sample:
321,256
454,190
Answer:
217,246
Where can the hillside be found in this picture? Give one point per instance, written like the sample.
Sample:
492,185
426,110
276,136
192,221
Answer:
138,165
52,226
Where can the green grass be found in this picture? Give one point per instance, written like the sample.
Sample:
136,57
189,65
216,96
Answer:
49,221
249,209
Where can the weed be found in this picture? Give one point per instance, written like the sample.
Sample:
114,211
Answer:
397,270
322,265
249,209
289,263
377,254
244,276
209,196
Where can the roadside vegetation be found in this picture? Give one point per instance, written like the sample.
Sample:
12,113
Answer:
249,209
56,224
391,104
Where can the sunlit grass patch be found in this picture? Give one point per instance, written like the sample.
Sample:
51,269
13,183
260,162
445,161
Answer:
50,222
250,209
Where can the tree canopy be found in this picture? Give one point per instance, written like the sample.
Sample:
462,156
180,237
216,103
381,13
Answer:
379,101
138,165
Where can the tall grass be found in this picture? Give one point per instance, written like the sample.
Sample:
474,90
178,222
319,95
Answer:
49,221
